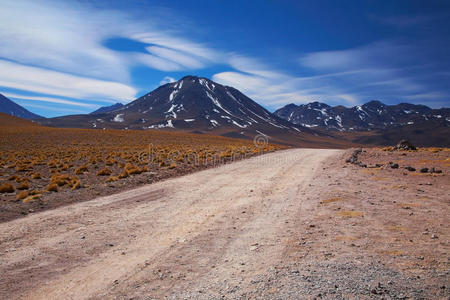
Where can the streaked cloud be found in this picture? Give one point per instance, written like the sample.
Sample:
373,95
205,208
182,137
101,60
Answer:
50,82
48,99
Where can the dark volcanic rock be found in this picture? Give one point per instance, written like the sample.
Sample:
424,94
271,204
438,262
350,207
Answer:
405,145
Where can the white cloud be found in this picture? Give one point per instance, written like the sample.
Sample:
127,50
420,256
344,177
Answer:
50,82
179,44
62,43
167,79
48,99
178,57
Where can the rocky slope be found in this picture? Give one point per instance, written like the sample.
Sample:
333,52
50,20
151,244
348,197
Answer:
9,107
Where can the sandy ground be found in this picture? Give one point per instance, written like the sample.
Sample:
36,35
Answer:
292,224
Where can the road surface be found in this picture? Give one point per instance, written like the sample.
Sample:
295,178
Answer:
160,238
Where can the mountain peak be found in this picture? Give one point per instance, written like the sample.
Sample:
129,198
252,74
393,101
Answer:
374,103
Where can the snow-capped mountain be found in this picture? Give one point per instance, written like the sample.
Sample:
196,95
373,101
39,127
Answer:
9,107
191,104
370,116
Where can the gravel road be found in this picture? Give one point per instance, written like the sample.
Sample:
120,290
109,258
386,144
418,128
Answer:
235,231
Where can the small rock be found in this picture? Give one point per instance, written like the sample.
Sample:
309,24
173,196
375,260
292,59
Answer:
409,168
433,170
433,236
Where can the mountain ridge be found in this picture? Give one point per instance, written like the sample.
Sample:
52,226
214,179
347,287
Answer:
373,115
10,107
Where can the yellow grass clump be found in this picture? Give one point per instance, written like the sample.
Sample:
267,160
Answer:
23,186
52,187
104,172
336,199
36,176
80,170
350,213
22,195
31,198
112,179
7,188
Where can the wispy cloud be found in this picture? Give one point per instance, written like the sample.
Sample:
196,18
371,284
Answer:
50,82
57,48
48,99
167,79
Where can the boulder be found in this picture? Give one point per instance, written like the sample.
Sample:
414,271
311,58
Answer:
405,145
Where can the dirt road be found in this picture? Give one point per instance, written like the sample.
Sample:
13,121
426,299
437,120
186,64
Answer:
203,224
234,231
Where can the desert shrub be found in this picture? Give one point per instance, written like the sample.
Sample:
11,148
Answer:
35,192
104,172
110,162
124,174
134,170
52,187
31,198
75,183
22,195
23,185
60,179
81,170
7,188
112,179
36,176
13,177
21,179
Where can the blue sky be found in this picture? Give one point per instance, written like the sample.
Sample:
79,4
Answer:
69,57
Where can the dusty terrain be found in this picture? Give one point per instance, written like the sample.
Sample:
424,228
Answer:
291,224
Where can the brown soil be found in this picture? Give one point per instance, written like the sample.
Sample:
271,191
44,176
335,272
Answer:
293,224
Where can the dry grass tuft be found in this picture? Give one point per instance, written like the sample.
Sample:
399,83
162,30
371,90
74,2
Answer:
104,172
80,170
331,200
52,187
23,185
112,179
36,176
392,252
22,195
7,188
31,198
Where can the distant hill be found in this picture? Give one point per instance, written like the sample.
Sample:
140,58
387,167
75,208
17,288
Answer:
8,106
105,109
7,120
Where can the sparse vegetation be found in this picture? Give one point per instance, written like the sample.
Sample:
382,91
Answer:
60,160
